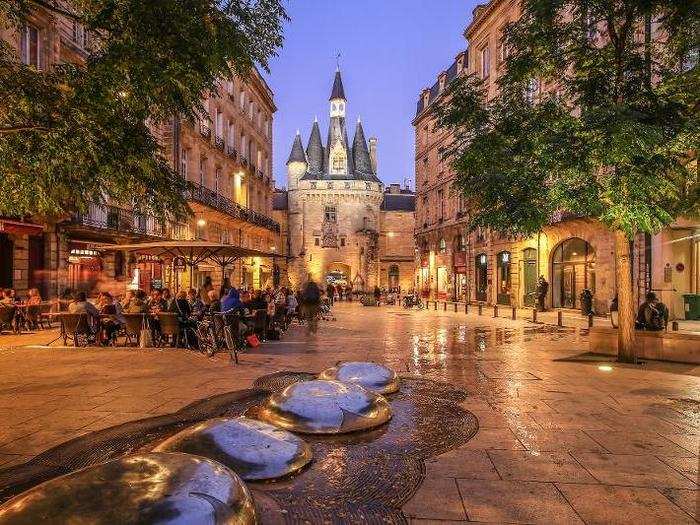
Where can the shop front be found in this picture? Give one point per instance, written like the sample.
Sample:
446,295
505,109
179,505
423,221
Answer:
424,275
459,269
573,270
22,258
503,294
529,276
85,266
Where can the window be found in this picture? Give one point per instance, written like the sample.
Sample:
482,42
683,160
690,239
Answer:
342,241
231,134
183,162
202,171
119,264
242,100
243,145
461,243
338,162
229,86
80,35
441,204
368,185
317,241
217,178
442,246
485,62
251,108
30,46
219,123
330,214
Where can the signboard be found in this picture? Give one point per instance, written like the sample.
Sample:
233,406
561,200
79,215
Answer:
460,259
179,264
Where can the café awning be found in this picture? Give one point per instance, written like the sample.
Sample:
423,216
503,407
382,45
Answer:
192,252
20,227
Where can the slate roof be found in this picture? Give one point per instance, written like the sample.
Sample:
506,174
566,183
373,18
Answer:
297,154
404,201
337,91
280,200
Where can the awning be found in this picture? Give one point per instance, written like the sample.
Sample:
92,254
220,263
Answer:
193,252
20,228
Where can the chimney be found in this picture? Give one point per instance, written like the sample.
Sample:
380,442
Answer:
373,153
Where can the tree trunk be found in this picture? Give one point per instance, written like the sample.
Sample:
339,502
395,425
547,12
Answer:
626,351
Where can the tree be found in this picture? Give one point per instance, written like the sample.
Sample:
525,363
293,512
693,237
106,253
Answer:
596,114
82,133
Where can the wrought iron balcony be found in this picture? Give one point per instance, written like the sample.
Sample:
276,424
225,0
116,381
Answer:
219,142
231,152
210,198
244,161
205,131
261,174
120,220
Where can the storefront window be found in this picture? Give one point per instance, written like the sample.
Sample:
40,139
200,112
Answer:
573,270
481,277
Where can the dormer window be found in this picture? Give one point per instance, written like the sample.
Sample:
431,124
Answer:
338,164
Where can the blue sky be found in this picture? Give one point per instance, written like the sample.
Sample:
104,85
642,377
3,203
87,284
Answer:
390,49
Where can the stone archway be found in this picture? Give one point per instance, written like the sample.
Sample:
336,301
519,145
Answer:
573,270
338,273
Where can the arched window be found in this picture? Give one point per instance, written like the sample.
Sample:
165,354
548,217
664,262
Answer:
573,270
481,277
504,281
442,246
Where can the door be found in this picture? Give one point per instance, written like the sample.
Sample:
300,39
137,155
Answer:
37,268
6,260
529,276
568,287
481,277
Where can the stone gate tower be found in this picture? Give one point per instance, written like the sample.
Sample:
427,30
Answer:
334,204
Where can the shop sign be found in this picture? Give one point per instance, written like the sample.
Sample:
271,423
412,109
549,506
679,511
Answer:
460,259
179,264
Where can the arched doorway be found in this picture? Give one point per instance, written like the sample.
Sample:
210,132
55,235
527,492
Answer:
573,270
481,277
529,276
504,281
7,249
338,274
393,277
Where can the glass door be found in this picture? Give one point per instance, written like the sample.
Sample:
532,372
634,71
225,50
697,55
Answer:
529,276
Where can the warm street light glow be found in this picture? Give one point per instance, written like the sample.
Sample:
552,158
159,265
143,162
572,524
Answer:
605,368
390,234
201,222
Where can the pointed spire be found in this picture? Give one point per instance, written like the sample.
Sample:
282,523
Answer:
337,91
314,150
297,153
360,152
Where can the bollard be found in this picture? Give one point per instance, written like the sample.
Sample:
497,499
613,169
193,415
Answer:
455,307
435,305
444,306
514,315
481,307
590,320
534,315
495,310
466,307
674,326
560,318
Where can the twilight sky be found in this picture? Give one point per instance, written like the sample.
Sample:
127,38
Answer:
390,49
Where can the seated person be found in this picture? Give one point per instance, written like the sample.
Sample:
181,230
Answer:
82,306
231,301
197,306
109,325
136,304
652,314
214,302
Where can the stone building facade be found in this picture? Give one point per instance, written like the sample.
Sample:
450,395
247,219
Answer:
573,252
338,220
227,156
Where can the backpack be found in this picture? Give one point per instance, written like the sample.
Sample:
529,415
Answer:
654,318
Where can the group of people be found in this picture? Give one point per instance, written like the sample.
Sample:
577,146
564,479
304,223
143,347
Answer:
20,311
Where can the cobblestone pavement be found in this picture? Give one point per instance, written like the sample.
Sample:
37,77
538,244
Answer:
562,439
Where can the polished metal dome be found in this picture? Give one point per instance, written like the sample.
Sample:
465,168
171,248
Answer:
325,407
253,449
375,377
145,488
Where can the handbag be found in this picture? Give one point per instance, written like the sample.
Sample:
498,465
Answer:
252,341
145,339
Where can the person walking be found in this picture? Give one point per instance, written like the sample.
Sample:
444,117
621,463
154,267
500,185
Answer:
310,302
330,291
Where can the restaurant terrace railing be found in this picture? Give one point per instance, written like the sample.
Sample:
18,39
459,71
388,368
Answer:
210,198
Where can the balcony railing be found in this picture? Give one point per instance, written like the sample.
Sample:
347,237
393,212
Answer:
120,220
217,201
219,142
231,152
205,131
244,161
261,174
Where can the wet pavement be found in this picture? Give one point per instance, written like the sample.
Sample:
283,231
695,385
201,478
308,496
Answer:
562,438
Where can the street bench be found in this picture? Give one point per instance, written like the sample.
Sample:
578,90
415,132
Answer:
679,347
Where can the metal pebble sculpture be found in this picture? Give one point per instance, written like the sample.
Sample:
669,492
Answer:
372,376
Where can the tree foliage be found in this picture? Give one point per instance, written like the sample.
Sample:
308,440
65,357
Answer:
613,133
82,133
